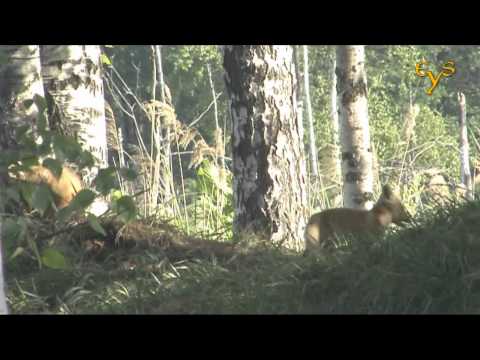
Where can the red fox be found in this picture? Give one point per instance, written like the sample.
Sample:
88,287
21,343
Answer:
65,187
322,227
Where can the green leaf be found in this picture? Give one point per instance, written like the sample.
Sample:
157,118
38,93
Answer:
40,102
11,231
22,130
86,159
126,209
83,199
63,214
105,180
42,198
28,103
116,194
95,224
27,189
13,193
66,147
54,166
105,60
54,259
42,122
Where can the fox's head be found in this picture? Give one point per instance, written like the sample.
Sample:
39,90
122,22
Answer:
391,202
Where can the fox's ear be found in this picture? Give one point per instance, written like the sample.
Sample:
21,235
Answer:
387,191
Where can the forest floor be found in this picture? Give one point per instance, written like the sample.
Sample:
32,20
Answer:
430,267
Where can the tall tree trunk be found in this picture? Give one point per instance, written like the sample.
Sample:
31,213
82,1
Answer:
3,298
354,134
74,86
20,79
465,174
268,166
335,123
308,103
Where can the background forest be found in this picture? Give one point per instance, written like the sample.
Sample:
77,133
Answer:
169,122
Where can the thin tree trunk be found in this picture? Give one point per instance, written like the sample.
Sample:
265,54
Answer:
158,52
3,298
163,143
268,166
300,94
335,123
308,103
354,134
465,174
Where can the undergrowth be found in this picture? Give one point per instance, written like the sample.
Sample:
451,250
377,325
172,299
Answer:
432,266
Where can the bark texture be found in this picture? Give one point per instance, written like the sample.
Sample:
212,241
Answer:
268,165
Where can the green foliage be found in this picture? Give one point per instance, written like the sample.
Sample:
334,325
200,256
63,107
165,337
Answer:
106,180
125,208
21,232
54,259
95,224
42,198
213,207
105,60
66,148
12,231
320,61
442,136
83,199
54,165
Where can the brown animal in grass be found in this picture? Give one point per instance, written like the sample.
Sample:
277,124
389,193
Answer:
324,226
64,187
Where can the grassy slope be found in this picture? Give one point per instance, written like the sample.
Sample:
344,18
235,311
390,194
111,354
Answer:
432,267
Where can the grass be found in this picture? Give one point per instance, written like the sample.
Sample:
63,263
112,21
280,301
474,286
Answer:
430,267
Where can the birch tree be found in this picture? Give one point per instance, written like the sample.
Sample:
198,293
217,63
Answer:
465,174
20,79
354,129
268,167
73,82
